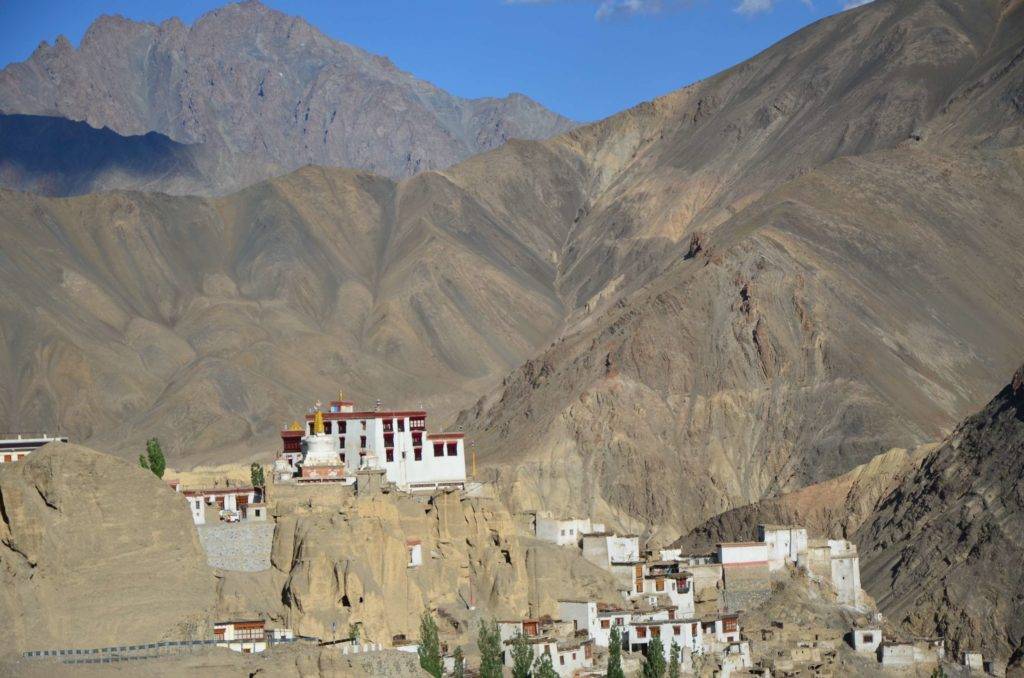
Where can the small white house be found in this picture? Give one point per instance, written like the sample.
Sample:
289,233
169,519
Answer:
247,636
564,532
785,543
604,549
867,640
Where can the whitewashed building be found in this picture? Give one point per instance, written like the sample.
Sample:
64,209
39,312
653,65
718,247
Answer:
605,549
395,441
785,543
17,446
565,532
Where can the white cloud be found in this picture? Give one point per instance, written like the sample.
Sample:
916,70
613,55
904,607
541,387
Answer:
610,8
750,7
850,4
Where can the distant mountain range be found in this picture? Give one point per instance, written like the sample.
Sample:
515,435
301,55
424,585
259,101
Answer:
250,84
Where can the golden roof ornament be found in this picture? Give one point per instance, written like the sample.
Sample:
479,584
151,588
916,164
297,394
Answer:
296,426
318,423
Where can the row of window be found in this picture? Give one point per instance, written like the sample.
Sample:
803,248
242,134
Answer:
417,452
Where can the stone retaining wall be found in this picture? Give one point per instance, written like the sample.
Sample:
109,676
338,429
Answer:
244,547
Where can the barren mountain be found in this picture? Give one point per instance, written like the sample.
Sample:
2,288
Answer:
94,552
251,81
749,285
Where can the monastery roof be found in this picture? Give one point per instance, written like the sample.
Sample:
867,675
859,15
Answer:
728,544
436,436
783,527
332,416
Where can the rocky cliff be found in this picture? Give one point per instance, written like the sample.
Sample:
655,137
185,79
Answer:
346,563
251,81
942,554
96,552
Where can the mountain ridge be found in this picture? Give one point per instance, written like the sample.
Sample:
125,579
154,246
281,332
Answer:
250,81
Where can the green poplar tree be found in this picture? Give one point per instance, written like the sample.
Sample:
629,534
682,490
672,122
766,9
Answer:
256,475
460,664
544,668
429,650
489,643
654,662
522,656
154,459
615,655
673,660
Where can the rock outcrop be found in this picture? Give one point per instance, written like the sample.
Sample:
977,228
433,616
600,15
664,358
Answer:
942,554
347,564
96,552
253,84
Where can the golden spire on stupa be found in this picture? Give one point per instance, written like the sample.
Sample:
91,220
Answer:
318,423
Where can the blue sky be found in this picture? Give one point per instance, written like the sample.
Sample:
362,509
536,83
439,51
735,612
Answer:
586,59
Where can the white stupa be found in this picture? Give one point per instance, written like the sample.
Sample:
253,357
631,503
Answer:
320,448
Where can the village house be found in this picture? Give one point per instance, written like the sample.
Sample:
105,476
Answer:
233,500
247,636
785,543
564,532
570,652
17,446
662,582
334,444
711,634
596,619
867,639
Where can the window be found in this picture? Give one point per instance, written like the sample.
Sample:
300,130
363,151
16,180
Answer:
327,427
563,533
438,449
417,454
389,439
618,621
659,585
676,630
363,422
453,449
869,637
641,632
310,428
561,659
655,632
401,425
417,437
341,426
389,454
605,623
362,442
341,442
